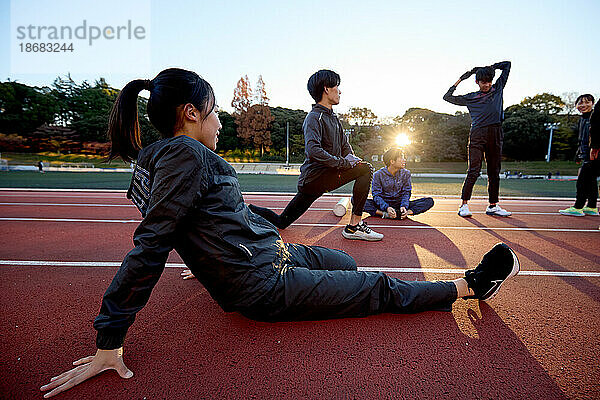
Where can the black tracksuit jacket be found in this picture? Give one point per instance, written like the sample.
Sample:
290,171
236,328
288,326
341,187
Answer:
191,202
583,133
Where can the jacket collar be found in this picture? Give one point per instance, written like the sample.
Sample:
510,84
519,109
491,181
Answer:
388,173
319,108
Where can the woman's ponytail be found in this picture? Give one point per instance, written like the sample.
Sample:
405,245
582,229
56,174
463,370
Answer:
123,125
170,89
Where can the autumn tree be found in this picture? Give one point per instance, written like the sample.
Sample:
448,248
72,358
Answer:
252,114
241,102
260,93
259,121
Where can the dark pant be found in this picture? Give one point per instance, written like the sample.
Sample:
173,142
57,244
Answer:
417,206
484,142
587,185
322,283
330,179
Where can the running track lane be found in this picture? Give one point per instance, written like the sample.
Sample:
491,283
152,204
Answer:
537,338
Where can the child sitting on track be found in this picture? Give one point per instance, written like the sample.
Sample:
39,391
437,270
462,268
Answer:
190,200
392,188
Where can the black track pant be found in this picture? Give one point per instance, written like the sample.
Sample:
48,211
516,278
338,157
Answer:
587,185
321,283
331,179
484,142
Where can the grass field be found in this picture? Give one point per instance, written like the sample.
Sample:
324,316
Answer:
56,159
284,183
526,167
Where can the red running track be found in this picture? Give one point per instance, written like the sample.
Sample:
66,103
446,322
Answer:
536,339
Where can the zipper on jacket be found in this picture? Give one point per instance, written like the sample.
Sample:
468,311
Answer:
247,251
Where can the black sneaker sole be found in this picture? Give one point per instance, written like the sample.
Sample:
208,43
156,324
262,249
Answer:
495,289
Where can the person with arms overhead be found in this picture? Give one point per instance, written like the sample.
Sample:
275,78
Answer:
485,138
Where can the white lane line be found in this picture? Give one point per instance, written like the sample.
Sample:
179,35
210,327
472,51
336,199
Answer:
58,195
67,204
471,228
547,272
269,196
467,228
112,205
272,208
123,221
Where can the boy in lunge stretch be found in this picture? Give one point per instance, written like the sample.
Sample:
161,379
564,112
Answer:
330,162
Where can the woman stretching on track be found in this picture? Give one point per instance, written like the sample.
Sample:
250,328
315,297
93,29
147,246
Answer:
191,201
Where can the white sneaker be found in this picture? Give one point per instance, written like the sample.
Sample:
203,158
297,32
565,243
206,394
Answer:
496,210
362,232
464,211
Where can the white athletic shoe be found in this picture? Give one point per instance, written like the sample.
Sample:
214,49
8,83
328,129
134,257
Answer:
464,211
362,232
496,210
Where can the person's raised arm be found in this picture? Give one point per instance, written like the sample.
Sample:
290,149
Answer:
458,100
176,186
314,148
504,66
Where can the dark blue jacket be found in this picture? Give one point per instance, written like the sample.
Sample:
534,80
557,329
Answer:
485,108
391,190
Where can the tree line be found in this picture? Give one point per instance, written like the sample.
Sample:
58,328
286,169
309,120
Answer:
71,117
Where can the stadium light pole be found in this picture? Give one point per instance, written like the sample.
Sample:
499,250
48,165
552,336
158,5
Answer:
550,127
287,144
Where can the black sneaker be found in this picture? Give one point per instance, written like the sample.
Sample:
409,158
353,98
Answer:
497,265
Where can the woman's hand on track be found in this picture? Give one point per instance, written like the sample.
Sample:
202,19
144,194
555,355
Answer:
86,368
187,274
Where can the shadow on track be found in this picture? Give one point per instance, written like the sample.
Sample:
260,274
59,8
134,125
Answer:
402,356
581,284
184,346
397,249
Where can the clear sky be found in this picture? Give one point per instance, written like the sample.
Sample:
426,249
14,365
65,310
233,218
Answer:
391,55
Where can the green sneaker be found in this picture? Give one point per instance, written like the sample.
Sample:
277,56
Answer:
590,211
575,212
